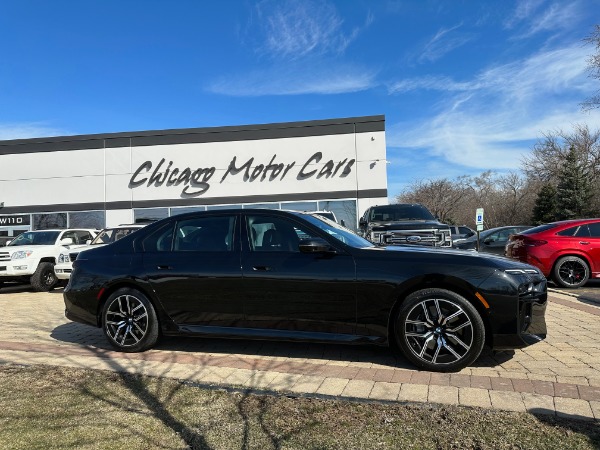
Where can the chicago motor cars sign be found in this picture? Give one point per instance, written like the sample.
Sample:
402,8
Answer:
197,181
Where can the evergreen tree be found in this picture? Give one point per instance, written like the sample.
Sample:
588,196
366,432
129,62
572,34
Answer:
544,210
574,190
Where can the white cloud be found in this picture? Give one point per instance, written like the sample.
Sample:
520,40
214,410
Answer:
533,18
10,131
295,80
444,41
497,115
293,29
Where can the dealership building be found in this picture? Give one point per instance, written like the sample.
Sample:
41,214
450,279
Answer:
100,180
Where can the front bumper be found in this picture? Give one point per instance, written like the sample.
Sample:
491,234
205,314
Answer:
17,268
63,271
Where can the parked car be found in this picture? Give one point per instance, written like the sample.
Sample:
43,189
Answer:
566,251
31,256
460,232
491,241
269,274
404,223
64,265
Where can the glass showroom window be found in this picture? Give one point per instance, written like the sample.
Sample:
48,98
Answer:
262,205
49,221
147,214
343,209
300,206
87,219
186,209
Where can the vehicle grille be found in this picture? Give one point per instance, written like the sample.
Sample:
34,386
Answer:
432,238
4,256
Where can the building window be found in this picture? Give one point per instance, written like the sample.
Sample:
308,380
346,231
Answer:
300,206
49,221
148,214
263,206
186,209
343,209
87,219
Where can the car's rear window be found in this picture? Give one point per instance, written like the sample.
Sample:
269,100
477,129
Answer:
540,228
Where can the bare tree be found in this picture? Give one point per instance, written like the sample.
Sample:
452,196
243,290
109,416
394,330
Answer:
507,199
546,161
593,68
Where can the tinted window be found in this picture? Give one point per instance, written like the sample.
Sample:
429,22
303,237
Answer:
274,234
113,234
160,240
577,231
205,234
36,238
594,229
540,228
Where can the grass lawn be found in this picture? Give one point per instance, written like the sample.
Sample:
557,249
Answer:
55,407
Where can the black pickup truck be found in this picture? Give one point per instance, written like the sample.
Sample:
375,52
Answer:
404,223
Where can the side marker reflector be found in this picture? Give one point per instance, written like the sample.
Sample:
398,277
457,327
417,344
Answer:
482,300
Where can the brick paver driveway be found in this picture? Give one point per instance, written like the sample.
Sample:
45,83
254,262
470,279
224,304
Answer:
558,376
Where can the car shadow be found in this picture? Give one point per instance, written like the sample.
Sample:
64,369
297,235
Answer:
93,339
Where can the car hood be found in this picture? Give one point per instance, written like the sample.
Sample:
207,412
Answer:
405,225
453,255
34,248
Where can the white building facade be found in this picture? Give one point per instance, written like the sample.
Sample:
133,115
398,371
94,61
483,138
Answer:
110,179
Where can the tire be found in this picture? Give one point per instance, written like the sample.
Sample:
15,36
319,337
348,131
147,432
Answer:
129,321
429,340
571,272
44,278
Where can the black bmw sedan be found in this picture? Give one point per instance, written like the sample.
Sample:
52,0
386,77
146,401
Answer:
268,274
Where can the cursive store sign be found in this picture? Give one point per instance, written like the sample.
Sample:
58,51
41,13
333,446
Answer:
196,181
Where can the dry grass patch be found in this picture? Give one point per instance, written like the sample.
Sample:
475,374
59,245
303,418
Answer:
56,407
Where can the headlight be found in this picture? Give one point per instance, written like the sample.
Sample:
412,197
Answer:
64,258
21,254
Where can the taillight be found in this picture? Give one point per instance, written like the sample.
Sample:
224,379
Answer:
534,242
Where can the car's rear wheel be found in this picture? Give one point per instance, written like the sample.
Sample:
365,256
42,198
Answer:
44,278
571,272
129,321
439,330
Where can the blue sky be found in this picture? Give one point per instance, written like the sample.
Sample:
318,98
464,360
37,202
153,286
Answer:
465,86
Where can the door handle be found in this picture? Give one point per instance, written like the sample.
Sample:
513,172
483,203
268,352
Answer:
584,242
164,267
261,268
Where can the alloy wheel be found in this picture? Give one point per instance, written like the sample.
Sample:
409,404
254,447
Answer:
126,320
438,331
572,272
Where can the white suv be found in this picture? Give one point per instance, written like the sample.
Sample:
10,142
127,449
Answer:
31,256
64,265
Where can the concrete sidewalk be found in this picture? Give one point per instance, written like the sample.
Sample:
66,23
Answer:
560,375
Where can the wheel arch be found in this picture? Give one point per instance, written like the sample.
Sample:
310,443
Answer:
437,281
572,253
144,288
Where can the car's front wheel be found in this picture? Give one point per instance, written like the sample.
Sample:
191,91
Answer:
129,321
44,278
439,330
571,272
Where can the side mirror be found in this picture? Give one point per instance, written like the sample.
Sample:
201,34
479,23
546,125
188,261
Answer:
66,241
488,240
342,223
88,242
362,222
314,245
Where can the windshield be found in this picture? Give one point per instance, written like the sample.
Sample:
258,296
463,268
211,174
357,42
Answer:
399,212
35,238
339,232
112,234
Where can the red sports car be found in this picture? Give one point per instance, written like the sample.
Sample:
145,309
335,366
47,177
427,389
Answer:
566,251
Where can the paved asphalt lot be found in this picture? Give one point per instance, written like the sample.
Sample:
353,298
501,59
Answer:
560,375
